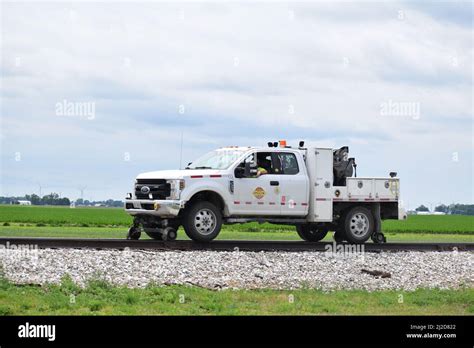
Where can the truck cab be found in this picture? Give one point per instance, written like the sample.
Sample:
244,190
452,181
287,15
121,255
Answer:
310,188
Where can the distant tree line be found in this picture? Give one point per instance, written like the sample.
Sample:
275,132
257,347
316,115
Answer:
55,199
107,203
454,209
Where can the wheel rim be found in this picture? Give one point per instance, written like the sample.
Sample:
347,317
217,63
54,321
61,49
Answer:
205,221
359,224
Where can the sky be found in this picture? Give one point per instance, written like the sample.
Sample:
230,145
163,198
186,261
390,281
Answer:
94,93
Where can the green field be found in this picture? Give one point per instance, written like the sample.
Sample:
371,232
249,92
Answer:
64,216
92,217
99,298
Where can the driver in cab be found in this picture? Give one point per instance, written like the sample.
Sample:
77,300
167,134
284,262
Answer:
263,165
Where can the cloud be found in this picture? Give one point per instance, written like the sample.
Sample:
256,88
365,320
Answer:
234,74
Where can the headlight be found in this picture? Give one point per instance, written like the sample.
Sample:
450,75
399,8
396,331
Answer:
176,186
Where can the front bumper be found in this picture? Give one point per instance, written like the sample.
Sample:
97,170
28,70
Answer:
162,208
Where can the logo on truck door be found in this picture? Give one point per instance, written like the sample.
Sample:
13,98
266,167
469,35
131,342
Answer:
259,193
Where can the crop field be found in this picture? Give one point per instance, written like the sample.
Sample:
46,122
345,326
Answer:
64,216
110,217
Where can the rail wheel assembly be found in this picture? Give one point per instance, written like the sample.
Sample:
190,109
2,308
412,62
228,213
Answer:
339,236
378,238
167,233
134,233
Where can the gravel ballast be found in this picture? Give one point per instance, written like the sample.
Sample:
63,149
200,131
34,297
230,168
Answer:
243,270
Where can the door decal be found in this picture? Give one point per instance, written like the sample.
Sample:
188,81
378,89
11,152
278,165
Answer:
259,193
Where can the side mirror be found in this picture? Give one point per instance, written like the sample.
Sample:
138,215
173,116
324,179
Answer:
250,169
239,172
247,169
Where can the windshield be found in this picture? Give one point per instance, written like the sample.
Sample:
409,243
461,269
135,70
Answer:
218,159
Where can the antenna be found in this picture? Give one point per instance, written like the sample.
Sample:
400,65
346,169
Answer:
181,151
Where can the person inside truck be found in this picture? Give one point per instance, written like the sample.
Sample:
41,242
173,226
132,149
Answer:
264,164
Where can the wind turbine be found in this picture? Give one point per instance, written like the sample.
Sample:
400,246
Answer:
82,188
40,189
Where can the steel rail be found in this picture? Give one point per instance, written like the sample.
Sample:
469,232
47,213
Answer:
224,245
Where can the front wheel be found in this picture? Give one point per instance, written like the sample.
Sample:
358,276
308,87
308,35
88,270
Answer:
202,221
311,233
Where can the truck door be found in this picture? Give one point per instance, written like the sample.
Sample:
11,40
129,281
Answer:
258,195
293,184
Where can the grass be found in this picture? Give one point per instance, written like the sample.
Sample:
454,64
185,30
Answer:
432,223
103,217
55,215
100,298
228,232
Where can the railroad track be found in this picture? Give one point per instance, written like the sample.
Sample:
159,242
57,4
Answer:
225,245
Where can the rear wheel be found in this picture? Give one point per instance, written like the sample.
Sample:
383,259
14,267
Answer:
358,225
202,221
311,233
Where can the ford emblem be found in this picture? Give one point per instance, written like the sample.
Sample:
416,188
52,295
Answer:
145,190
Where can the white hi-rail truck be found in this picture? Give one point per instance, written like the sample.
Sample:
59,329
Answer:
313,189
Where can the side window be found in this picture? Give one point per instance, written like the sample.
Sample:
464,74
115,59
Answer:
261,162
288,163
264,161
250,158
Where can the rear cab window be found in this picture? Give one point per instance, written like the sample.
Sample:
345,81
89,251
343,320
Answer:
285,163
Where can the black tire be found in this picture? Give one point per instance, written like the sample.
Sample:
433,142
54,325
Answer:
311,233
210,226
358,225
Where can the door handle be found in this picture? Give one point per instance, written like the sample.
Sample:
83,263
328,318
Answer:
274,183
